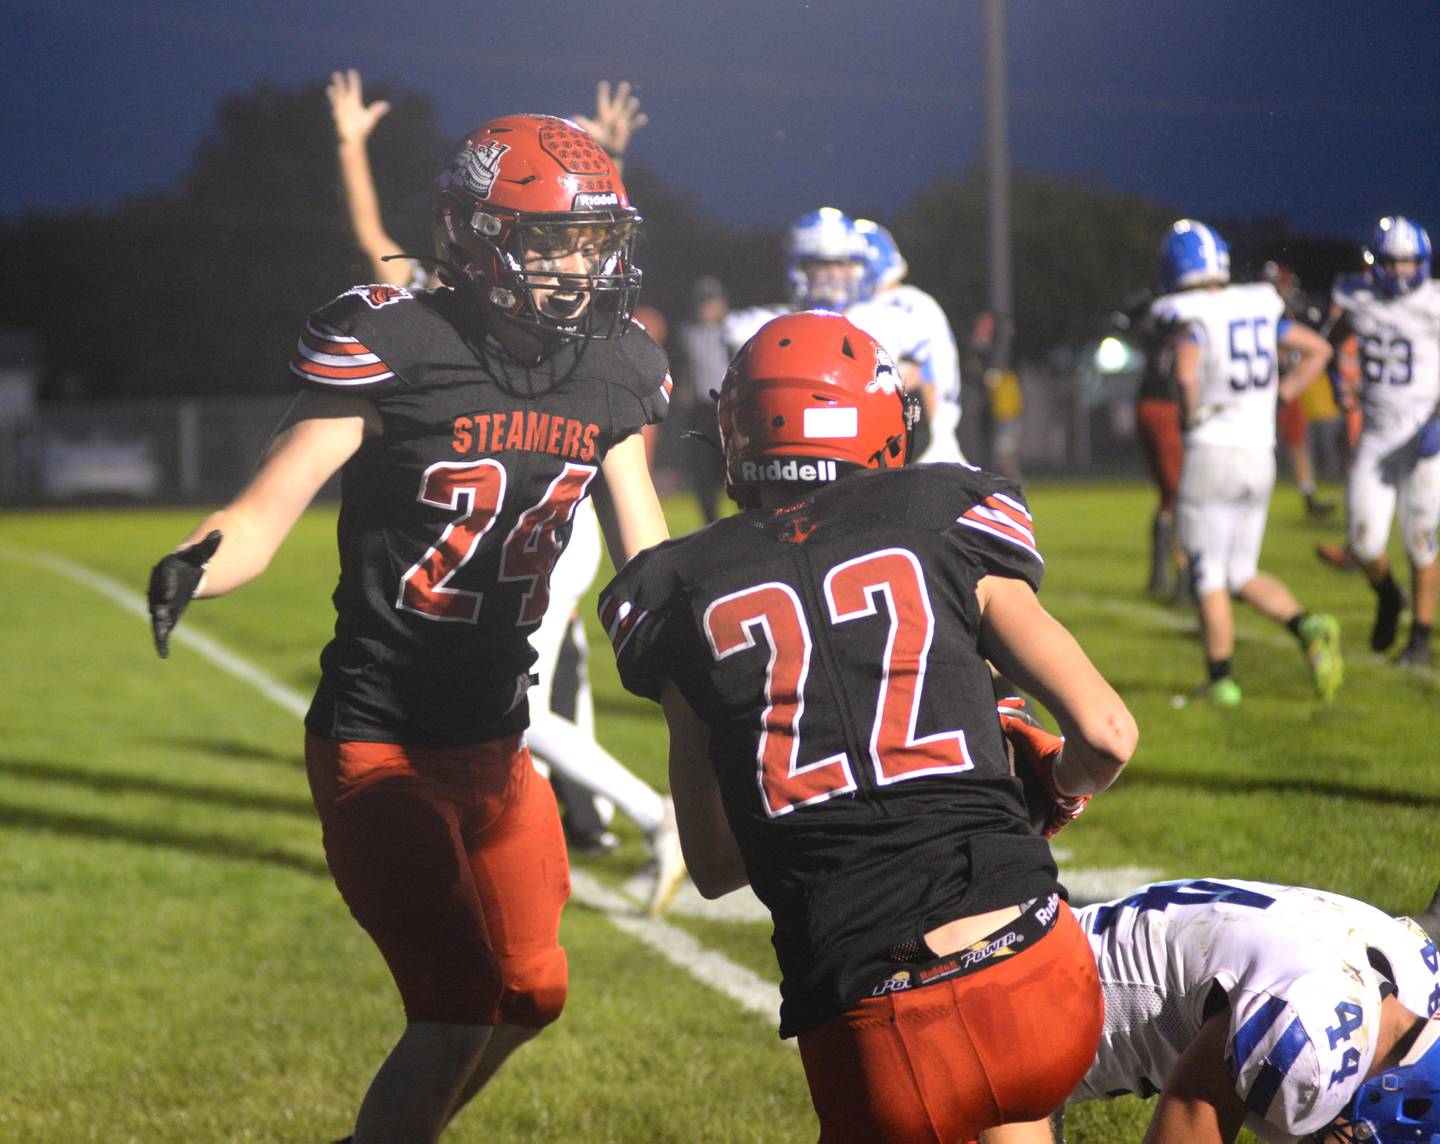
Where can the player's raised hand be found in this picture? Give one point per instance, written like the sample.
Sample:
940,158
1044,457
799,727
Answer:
353,120
173,583
617,117
1034,752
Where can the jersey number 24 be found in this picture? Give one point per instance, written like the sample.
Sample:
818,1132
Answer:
476,489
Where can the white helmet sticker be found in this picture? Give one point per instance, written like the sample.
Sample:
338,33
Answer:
833,423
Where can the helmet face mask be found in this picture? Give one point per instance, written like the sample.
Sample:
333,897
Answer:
530,215
808,399
1397,240
824,260
1192,254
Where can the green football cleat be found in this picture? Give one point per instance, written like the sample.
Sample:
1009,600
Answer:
1320,636
1223,692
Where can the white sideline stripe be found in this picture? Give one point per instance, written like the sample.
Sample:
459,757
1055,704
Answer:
751,992
132,602
746,989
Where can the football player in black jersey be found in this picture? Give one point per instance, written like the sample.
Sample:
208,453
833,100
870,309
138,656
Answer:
468,422
821,662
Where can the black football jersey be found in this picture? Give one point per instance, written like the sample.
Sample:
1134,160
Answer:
451,519
831,647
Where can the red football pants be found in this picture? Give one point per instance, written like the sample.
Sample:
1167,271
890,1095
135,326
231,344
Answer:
1164,448
454,862
939,1065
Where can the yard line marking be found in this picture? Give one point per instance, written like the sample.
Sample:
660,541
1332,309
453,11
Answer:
620,908
1164,618
132,602
751,992
748,990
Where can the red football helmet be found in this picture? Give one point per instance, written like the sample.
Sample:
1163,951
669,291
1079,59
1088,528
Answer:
809,398
530,212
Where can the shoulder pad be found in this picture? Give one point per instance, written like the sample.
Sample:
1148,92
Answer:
637,374
344,345
1348,288
1297,1058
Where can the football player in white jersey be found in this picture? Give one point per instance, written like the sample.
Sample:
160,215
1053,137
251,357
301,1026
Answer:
1394,309
567,744
910,324
824,263
1226,350
1295,1012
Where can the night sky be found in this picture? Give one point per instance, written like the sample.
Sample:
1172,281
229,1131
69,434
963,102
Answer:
1324,114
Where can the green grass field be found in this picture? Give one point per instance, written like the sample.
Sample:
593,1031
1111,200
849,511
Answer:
178,967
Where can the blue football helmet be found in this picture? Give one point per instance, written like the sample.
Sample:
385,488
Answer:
1396,237
824,259
1192,254
1399,1105
885,266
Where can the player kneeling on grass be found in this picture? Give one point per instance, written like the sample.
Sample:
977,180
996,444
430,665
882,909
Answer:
821,660
1296,1013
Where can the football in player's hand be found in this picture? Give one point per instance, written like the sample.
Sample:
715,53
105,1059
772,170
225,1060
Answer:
1033,752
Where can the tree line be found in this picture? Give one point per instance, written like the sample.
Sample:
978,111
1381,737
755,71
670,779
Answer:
202,290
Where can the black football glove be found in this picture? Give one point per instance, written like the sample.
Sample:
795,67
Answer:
172,585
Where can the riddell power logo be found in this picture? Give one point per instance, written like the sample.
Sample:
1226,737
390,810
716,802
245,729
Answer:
787,470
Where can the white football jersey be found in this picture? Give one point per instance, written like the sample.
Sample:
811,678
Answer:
742,325
1302,970
1238,330
910,324
1399,341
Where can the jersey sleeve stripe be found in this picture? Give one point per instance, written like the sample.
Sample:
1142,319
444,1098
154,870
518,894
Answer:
620,619
331,343
1282,1057
1005,518
1018,515
1250,1034
336,360
333,375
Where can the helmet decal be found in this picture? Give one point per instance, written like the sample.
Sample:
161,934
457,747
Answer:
475,167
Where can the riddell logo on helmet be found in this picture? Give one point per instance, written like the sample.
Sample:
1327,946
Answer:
787,471
590,201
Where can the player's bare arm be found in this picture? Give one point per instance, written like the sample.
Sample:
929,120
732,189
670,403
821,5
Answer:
629,509
324,432
1314,354
617,117
1031,647
354,121
1198,1104
711,853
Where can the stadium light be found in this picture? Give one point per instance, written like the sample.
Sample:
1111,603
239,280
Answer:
1112,355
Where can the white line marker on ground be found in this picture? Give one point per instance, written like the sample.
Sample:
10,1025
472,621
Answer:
746,989
621,908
